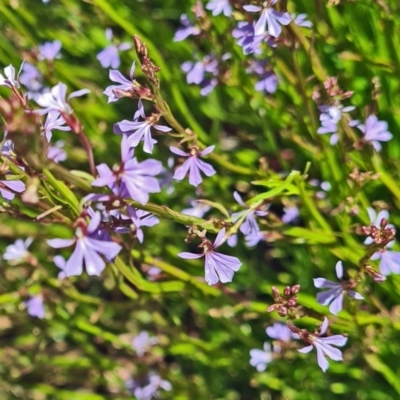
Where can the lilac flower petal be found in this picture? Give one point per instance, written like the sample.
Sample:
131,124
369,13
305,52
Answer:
179,152
220,237
60,243
355,295
207,150
190,255
339,270
74,265
325,283
305,350
322,361
324,326
337,304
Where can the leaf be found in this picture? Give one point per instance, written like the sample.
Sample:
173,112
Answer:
315,236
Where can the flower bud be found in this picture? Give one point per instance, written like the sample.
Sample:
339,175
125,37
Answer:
273,307
286,291
282,311
292,302
295,289
275,293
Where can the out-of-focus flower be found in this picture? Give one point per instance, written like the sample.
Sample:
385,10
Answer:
138,131
261,358
220,6
291,214
329,126
32,79
281,332
218,267
137,179
149,390
142,342
246,39
274,19
54,121
336,291
197,210
268,80
109,57
7,188
87,249
55,100
323,345
186,29
18,250
375,131
390,260
60,263
50,50
56,152
301,20
141,218
35,306
193,165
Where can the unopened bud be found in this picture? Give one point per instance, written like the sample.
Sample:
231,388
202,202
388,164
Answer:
376,276
275,293
295,289
282,311
273,307
286,291
292,302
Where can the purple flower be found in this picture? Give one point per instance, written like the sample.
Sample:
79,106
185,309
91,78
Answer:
150,389
54,121
142,342
56,152
186,29
35,306
245,38
329,126
137,178
219,6
249,227
50,50
281,332
124,84
8,188
300,20
197,210
218,267
336,291
55,100
390,260
87,249
291,214
109,57
268,82
261,358
17,251
9,78
141,218
193,165
31,78
195,72
274,19
141,130
375,131
324,346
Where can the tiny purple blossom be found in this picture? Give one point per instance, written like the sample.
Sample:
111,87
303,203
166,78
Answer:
124,84
261,358
142,343
55,100
195,72
18,250
336,291
197,210
87,249
109,57
219,6
31,78
246,39
193,165
375,131
281,332
324,347
35,306
291,214
274,19
49,50
301,20
138,131
186,29
137,178
56,152
218,267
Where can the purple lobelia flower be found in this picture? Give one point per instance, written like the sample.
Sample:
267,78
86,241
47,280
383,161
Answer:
55,100
301,20
149,390
261,358
197,210
87,249
138,131
9,79
186,29
249,227
375,131
141,218
49,50
137,179
220,6
246,39
193,165
390,260
274,19
281,332
376,220
142,342
329,126
56,152
335,293
56,121
323,345
9,188
123,83
218,267
35,306
291,214
17,251
109,57
268,80
32,79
